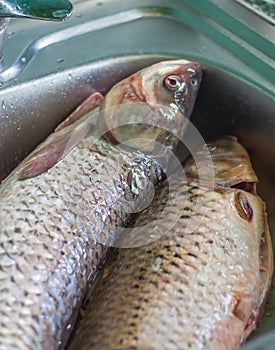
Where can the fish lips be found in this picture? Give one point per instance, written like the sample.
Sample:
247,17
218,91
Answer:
186,97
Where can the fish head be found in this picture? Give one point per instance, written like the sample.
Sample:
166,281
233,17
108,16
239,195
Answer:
151,106
231,165
173,85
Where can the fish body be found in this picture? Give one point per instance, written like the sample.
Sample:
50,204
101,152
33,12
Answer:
202,285
58,213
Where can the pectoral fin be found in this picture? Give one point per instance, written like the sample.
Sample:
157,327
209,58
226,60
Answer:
88,105
53,150
66,136
48,155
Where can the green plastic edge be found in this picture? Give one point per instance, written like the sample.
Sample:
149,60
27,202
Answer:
194,20
234,25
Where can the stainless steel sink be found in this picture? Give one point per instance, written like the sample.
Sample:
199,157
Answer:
49,68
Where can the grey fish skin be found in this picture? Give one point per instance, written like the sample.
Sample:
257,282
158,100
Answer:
51,247
56,210
191,289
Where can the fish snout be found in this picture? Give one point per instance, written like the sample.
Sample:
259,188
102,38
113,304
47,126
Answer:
195,75
192,77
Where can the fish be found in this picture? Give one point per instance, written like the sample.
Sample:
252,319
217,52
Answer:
203,283
60,208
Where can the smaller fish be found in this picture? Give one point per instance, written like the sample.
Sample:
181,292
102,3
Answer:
191,289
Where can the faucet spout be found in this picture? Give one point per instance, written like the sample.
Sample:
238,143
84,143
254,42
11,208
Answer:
3,27
51,10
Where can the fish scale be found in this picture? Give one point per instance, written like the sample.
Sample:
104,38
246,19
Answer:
197,287
50,276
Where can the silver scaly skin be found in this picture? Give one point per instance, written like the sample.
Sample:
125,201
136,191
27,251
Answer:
200,288
58,207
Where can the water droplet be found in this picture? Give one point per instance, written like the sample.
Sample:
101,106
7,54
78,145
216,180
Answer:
23,59
209,147
11,34
99,3
60,14
4,106
78,15
70,76
1,84
59,60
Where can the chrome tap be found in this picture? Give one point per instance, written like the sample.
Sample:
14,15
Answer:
50,10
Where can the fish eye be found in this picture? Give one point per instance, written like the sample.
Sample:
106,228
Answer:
172,82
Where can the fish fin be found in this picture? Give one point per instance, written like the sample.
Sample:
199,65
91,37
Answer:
61,142
88,105
50,152
230,163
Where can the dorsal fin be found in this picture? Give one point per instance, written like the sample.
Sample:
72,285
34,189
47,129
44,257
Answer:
50,153
66,136
88,105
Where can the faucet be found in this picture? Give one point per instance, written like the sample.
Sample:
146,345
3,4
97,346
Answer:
50,10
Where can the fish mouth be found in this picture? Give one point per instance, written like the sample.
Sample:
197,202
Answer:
197,75
246,186
194,76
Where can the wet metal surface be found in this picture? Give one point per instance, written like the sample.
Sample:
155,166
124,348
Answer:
48,69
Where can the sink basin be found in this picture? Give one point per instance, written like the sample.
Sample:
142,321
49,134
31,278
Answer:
48,69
